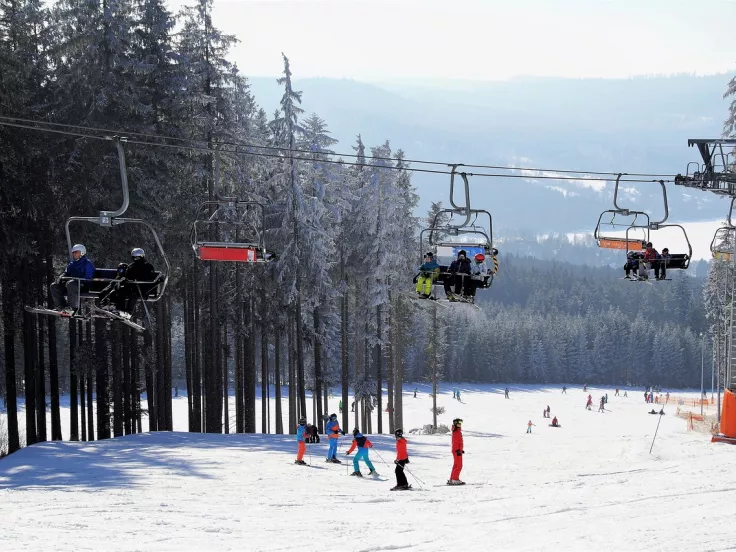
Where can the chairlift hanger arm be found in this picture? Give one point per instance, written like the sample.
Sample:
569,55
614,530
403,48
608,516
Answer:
123,179
461,210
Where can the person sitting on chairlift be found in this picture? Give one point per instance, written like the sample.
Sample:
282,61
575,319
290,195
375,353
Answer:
427,274
660,273
79,267
633,259
650,261
478,272
459,276
124,294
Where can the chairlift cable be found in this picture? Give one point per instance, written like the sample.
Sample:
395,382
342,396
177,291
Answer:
191,147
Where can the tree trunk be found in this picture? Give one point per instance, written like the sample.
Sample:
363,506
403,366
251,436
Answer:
318,382
73,389
150,381
117,388
300,356
277,380
264,374
127,390
53,361
11,391
225,383
29,358
40,365
187,306
293,413
89,379
160,367
398,406
103,398
344,353
238,339
379,369
83,405
390,368
433,364
196,351
250,372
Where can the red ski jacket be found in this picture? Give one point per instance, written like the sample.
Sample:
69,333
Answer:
401,453
457,440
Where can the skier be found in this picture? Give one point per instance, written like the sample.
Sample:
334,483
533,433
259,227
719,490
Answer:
125,296
79,267
415,392
529,427
458,395
548,411
427,275
606,395
333,434
301,440
363,444
564,390
625,394
602,405
454,392
589,404
459,275
457,452
506,393
554,422
339,406
585,388
402,458
616,394
478,271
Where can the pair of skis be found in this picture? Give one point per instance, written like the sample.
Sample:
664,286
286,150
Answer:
94,312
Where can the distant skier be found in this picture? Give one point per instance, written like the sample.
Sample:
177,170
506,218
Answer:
554,422
585,388
548,411
457,452
529,427
402,459
339,406
625,394
616,394
589,404
458,395
301,441
564,390
606,396
415,392
333,435
454,393
602,405
362,444
506,393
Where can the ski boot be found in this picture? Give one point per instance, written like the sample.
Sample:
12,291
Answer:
357,474
401,488
373,472
300,462
454,482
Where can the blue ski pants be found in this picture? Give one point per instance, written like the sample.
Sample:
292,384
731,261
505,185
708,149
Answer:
332,451
362,454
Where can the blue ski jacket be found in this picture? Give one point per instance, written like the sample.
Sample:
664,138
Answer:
301,433
83,268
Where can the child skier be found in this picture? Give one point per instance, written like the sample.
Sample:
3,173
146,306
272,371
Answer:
363,444
402,458
529,427
301,440
333,434
457,452
554,422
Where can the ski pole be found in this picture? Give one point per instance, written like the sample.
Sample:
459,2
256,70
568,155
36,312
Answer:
414,476
381,457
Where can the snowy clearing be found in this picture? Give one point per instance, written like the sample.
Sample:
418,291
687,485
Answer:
591,484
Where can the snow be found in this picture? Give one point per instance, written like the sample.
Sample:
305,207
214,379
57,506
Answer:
591,484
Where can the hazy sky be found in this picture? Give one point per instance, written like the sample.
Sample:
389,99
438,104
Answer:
479,39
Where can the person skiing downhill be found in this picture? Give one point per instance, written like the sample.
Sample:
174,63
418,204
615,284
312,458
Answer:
457,452
529,427
362,444
333,434
402,458
301,440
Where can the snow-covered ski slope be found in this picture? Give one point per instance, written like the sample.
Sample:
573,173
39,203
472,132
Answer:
590,485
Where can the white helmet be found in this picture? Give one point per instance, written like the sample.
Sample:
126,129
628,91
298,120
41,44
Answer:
137,252
79,247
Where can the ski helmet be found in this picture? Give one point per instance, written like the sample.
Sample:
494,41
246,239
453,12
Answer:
137,252
79,247
457,422
333,416
399,433
462,252
302,421
430,255
355,432
480,257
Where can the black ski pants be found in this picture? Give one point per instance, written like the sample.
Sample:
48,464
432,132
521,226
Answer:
400,475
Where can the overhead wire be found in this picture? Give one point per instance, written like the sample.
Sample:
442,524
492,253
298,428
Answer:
191,144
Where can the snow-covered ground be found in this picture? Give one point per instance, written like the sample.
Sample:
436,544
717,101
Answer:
590,485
